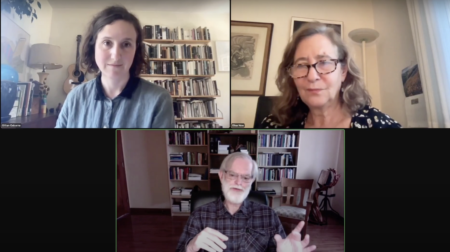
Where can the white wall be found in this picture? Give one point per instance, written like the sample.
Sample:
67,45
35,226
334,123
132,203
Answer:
60,26
395,48
145,158
320,150
383,74
39,30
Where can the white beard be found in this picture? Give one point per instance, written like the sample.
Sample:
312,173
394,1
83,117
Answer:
235,197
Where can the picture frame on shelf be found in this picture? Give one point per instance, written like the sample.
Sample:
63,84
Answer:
297,22
250,50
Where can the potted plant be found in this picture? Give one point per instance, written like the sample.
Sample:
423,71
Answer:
22,7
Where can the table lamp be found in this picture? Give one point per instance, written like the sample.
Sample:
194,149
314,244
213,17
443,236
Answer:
45,56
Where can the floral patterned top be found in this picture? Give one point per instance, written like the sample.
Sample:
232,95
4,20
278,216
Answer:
367,117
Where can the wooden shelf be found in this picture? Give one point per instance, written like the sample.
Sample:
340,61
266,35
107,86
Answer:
234,134
195,96
214,154
176,42
188,166
292,148
184,180
198,119
166,59
268,181
190,145
276,166
180,196
181,213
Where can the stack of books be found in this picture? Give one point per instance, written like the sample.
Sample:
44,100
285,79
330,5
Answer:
176,191
185,205
176,208
177,159
194,176
186,192
223,149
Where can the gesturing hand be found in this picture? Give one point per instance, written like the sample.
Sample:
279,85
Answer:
293,242
209,239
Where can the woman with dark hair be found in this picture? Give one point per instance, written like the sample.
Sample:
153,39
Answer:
321,86
117,97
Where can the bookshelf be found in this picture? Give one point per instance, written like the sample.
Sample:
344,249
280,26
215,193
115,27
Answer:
194,146
181,61
234,139
206,141
277,157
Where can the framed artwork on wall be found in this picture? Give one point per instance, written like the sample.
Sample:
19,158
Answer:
297,22
250,50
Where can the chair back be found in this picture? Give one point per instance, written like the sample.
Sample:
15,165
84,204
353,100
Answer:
201,198
295,189
263,109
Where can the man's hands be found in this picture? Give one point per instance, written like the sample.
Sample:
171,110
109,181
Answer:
293,241
209,239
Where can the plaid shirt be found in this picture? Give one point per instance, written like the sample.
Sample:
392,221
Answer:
251,229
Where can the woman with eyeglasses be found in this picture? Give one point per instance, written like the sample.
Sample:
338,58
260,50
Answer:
321,86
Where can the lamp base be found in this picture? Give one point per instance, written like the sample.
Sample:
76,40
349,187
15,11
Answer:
43,77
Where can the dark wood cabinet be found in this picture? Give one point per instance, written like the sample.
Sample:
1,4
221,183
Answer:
36,121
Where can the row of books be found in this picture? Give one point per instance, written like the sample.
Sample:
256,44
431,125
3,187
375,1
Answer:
197,125
24,100
182,67
275,174
191,87
185,173
277,140
159,32
174,52
189,158
187,138
251,147
195,108
180,191
275,159
183,206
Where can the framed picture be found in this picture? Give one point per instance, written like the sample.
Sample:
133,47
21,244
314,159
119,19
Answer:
297,22
15,45
223,55
250,49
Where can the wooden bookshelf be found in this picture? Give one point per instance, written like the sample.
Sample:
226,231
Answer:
169,59
183,85
176,148
232,139
197,118
176,42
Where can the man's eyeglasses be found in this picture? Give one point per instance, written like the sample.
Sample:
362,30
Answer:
233,176
322,67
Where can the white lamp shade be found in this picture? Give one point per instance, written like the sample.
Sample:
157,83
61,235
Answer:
45,54
364,34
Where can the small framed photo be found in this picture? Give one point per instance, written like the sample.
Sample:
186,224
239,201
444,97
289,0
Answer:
297,22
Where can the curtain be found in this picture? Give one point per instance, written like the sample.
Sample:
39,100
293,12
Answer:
430,24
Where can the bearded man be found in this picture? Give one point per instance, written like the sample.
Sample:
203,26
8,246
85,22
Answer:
234,223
